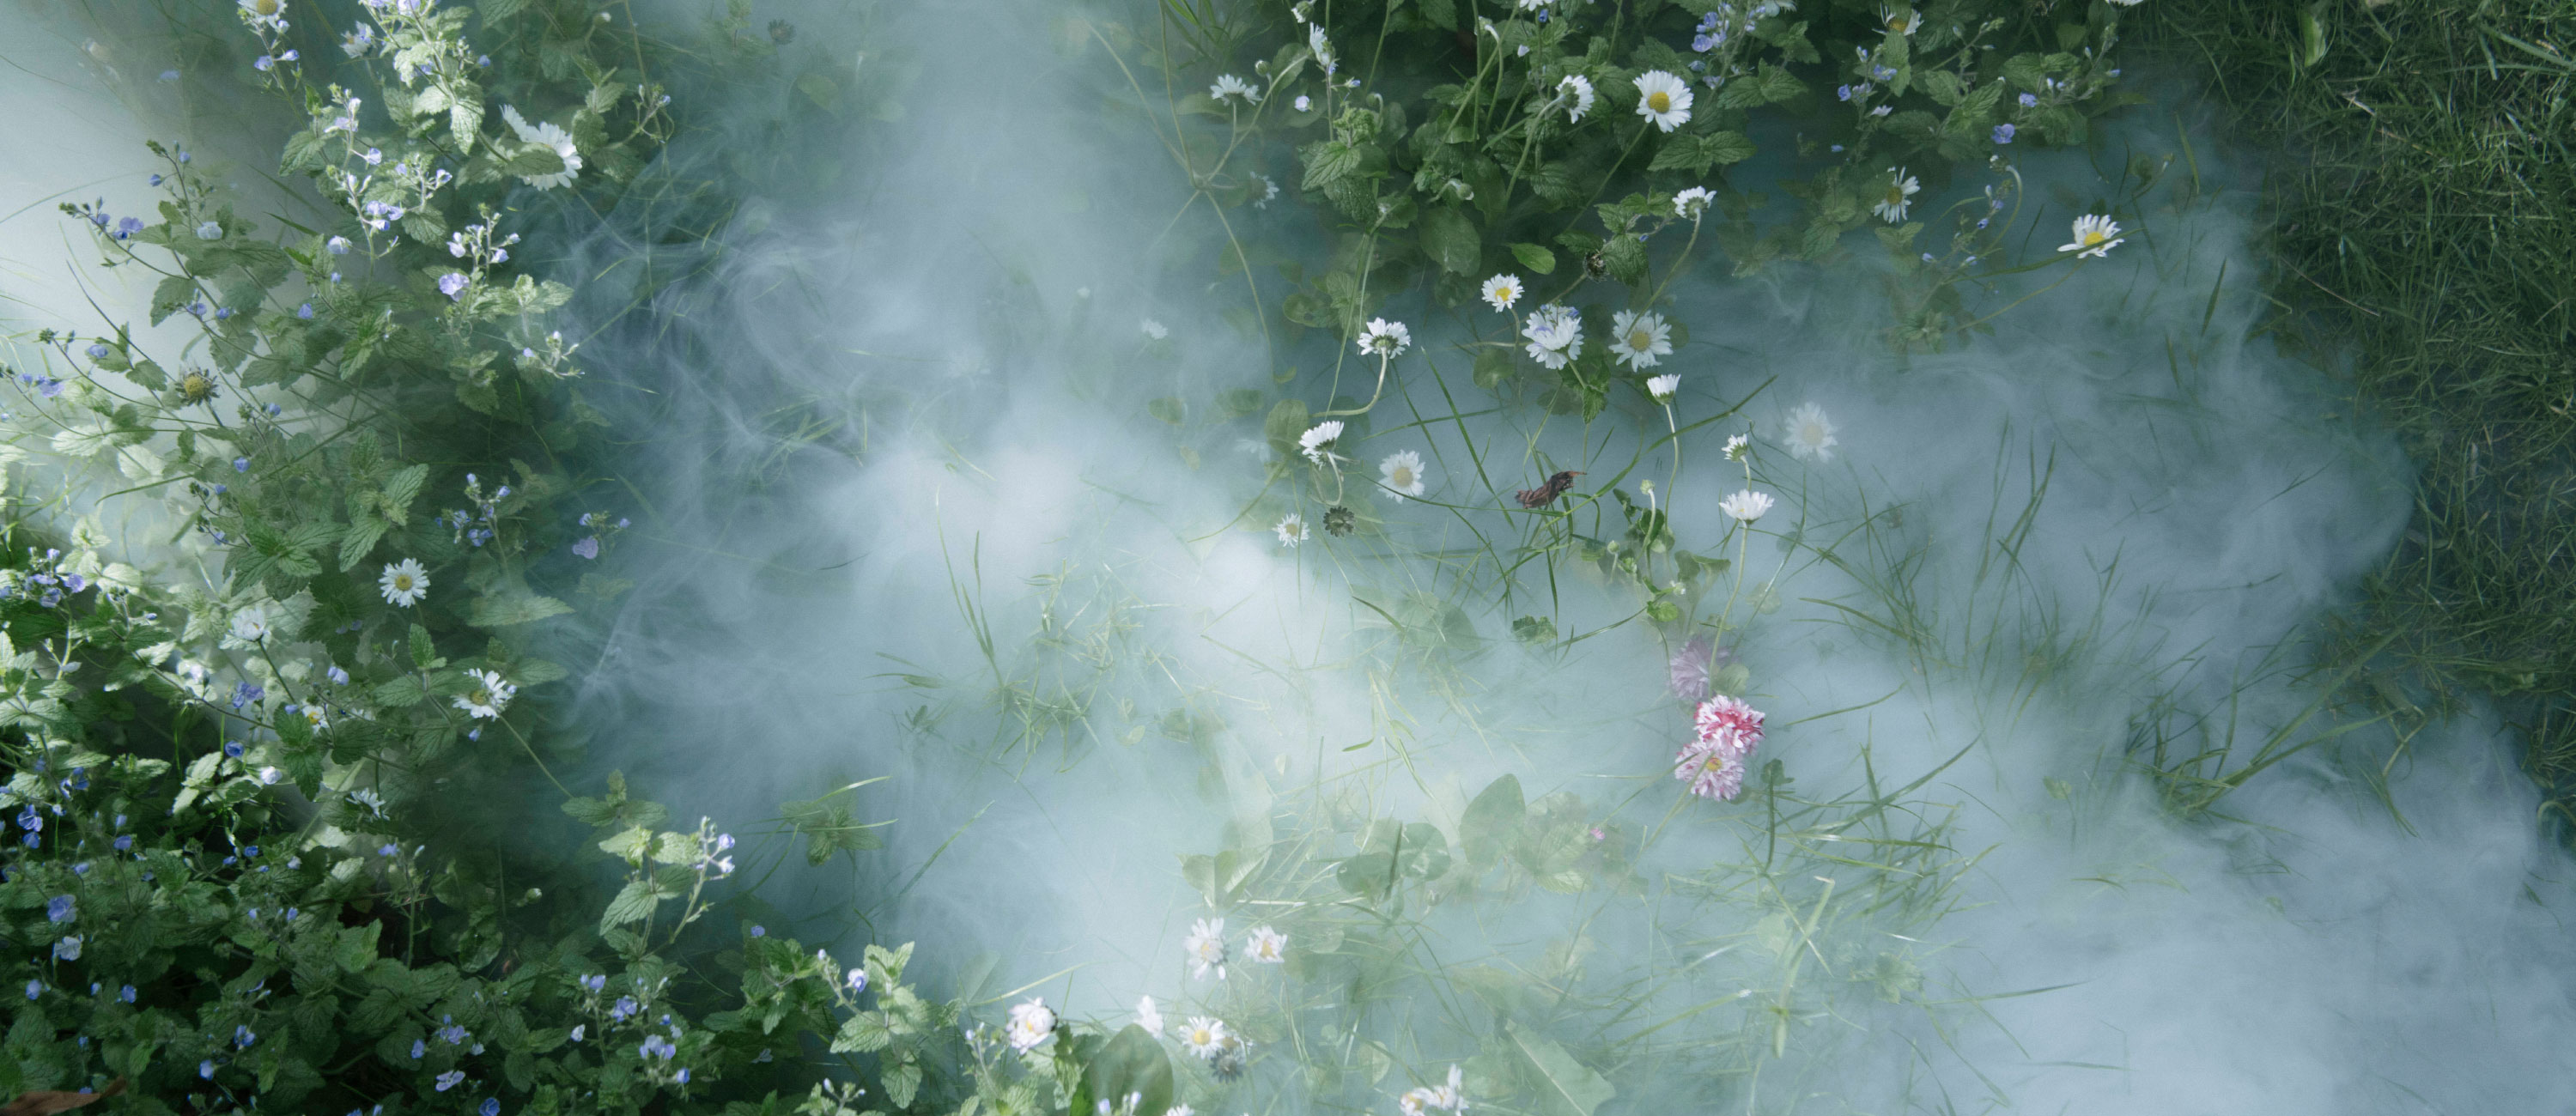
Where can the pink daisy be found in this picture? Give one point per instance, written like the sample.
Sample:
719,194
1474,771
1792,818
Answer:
1713,770
1728,723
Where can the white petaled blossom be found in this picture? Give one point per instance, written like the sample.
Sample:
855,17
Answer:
1154,330
1322,48
1206,943
1663,99
1317,442
1579,88
1401,473
1746,506
1555,335
2094,235
490,694
1148,1016
1736,446
1228,85
1266,945
1810,436
1502,291
1662,387
1291,530
1690,203
1030,1024
1383,338
1269,191
1204,1037
1639,340
404,583
250,625
1902,21
545,134
1901,188
1450,1097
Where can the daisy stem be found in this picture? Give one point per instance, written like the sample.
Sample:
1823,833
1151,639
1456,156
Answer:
1383,359
1676,270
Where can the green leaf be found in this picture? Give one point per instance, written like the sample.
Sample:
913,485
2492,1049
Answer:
400,490
1286,422
823,91
901,1082
502,610
171,295
632,904
1450,239
1131,1062
1567,1086
1168,408
1327,163
424,652
1492,821
1535,257
864,1033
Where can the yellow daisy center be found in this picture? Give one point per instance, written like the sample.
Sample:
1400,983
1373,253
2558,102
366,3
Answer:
1403,478
1897,23
1641,340
1659,101
402,583
264,7
2092,237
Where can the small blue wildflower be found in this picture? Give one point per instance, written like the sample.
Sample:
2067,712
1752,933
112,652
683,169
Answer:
241,464
2030,100
418,1048
305,311
81,869
243,1037
337,676
128,226
452,285
233,749
450,1080
385,851
206,1069
760,931
125,994
61,908
97,350
35,988
491,1106
682,1077
2003,133
1842,92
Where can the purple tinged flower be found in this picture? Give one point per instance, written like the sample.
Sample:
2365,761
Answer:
305,311
205,1069
2004,133
450,1080
2030,100
1692,667
35,988
125,994
858,981
388,850
262,63
243,1037
452,285
338,245
760,931
233,749
491,1106
61,908
418,1047
241,464
128,226
97,351
124,842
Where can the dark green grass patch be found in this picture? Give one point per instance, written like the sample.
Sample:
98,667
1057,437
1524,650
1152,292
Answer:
2420,205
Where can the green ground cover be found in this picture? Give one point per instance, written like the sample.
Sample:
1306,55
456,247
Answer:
2418,208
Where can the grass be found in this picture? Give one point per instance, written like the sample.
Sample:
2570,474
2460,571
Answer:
2418,203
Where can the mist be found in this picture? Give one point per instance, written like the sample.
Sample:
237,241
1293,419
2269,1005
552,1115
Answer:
903,507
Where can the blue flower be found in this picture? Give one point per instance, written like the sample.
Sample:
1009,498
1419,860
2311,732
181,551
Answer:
128,226
491,1106
418,1048
385,851
125,994
243,1037
233,749
241,464
760,931
337,676
452,285
35,988
206,1069
450,1080
305,312
2003,133
624,1007
682,1077
61,908
2030,100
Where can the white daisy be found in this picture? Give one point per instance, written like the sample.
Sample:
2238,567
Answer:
1664,99
1451,1096
2094,235
1266,946
1204,1037
404,583
1154,330
1747,505
250,625
1809,434
1736,446
1555,335
488,697
1317,443
1228,85
1414,1101
1384,338
1502,291
1639,340
1901,188
1690,203
1661,388
1206,943
315,718
1902,21
1401,473
264,13
1291,530
1579,88
545,134
1148,1016
1030,1024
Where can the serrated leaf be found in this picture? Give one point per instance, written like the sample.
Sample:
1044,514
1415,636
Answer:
1329,162
502,610
633,904
864,1033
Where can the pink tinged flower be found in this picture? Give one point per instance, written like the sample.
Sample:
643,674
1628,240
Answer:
1713,772
1728,723
1692,666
